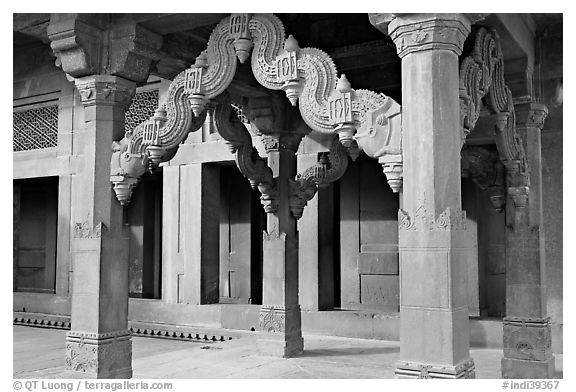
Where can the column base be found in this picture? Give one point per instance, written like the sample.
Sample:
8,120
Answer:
527,348
519,368
406,369
280,332
99,355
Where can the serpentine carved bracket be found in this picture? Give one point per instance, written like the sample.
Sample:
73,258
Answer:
482,80
330,168
153,141
308,77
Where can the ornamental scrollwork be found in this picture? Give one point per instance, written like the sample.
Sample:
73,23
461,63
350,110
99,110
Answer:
449,219
250,164
308,77
153,141
482,80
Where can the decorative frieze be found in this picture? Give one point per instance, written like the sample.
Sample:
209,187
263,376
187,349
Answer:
105,90
273,319
449,219
86,230
429,32
408,369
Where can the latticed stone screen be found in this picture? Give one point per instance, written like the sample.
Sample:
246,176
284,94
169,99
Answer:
36,128
143,106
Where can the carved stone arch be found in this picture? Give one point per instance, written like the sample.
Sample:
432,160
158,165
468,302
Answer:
308,76
482,84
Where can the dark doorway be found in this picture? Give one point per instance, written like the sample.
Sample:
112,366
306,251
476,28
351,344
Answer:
35,226
144,216
242,220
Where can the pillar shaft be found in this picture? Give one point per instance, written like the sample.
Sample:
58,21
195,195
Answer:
433,242
99,343
280,321
527,336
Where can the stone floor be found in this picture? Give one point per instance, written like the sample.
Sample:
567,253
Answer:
39,353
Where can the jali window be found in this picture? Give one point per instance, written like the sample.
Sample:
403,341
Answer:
36,128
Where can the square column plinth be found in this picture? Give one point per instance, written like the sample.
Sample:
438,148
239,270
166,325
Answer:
527,348
105,355
280,331
434,339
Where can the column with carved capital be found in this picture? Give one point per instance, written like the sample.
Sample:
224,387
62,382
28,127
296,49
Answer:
280,331
527,336
433,241
99,343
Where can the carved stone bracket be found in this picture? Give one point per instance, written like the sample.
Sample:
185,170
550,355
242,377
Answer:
485,169
307,76
153,141
482,79
330,168
87,44
250,164
381,138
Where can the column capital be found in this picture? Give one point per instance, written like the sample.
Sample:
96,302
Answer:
418,32
281,141
105,90
531,115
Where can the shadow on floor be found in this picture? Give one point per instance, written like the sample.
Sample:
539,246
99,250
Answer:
327,352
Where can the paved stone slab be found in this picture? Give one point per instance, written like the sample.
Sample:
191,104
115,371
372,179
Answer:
39,353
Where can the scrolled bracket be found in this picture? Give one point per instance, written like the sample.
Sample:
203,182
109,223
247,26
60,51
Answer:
380,137
484,168
153,141
330,168
250,164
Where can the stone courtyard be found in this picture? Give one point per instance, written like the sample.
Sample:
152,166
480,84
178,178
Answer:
324,357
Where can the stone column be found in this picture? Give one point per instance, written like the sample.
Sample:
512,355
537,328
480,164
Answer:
99,343
280,332
527,337
433,241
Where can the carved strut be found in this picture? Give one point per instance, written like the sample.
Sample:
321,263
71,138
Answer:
482,78
129,158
